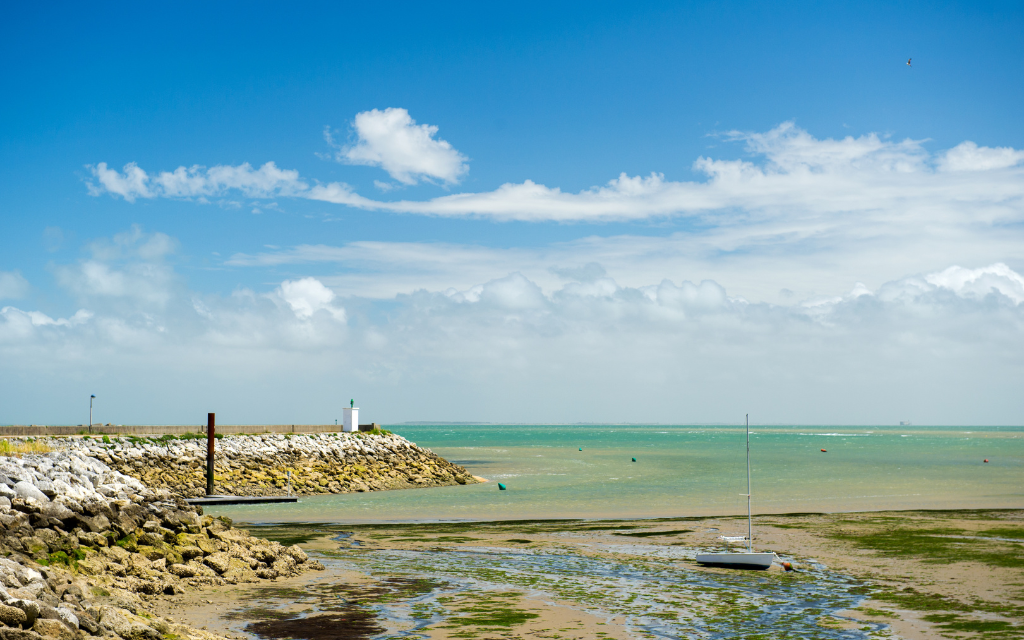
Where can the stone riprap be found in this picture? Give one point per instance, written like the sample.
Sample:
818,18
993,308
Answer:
82,547
259,465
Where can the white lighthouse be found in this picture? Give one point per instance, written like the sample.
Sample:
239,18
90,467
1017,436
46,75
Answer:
350,420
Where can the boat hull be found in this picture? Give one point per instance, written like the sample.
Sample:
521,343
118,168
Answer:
738,560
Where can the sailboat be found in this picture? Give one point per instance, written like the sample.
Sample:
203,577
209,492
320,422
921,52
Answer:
748,559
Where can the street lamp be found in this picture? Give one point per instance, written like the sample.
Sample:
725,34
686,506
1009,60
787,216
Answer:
91,398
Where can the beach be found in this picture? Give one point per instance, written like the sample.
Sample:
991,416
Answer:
588,543
870,575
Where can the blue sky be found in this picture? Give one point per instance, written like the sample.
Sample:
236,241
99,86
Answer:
512,213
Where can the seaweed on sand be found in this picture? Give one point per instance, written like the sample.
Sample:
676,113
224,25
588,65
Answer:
352,624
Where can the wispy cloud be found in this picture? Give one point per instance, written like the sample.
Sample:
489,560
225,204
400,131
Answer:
197,182
801,185
13,285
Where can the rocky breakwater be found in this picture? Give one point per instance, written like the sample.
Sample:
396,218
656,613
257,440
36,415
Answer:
275,464
84,547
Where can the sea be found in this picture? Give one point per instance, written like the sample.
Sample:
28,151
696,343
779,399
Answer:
665,471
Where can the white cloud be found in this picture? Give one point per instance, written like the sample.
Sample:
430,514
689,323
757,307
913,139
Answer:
803,187
13,285
978,283
581,346
197,181
131,267
968,156
392,140
307,296
129,185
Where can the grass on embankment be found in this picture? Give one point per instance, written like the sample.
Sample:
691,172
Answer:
18,449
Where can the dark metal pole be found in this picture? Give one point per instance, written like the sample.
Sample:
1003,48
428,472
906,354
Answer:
209,453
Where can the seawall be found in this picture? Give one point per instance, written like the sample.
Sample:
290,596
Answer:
83,547
273,464
21,430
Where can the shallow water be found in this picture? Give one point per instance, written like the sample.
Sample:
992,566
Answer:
656,598
686,470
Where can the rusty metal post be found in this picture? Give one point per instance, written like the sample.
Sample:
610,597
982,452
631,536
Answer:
209,453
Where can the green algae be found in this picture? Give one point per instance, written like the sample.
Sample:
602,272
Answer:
649,534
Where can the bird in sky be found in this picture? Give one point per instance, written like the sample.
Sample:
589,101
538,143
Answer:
908,63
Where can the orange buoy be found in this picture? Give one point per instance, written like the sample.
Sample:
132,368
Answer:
823,451
986,459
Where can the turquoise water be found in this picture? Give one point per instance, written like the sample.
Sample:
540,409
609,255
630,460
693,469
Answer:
687,470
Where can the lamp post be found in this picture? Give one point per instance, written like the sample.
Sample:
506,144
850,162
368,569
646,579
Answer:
91,398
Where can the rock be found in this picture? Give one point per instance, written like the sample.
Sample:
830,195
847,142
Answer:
127,625
87,622
115,554
94,524
29,607
285,565
219,562
296,552
189,552
12,616
208,545
25,490
91,539
239,572
19,634
68,617
53,629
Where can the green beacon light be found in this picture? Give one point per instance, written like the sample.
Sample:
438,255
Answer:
352,403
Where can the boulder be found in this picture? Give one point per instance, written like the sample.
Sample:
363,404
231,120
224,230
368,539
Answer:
18,634
296,552
209,545
53,629
219,562
239,572
12,616
127,625
68,617
92,566
29,607
26,490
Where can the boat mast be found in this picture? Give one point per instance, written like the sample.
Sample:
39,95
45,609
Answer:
750,535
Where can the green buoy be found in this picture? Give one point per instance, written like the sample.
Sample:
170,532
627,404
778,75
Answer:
634,459
581,448
501,487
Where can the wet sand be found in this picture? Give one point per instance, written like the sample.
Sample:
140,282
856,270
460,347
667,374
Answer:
888,574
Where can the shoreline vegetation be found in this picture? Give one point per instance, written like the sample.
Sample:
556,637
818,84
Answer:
96,540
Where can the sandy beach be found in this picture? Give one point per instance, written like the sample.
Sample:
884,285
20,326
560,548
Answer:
874,575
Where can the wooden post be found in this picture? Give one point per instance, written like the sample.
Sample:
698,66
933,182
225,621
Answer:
209,453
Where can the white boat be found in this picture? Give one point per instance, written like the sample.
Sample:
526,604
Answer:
741,559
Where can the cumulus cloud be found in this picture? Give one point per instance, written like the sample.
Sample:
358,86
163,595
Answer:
13,285
129,184
307,296
582,345
409,152
968,156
